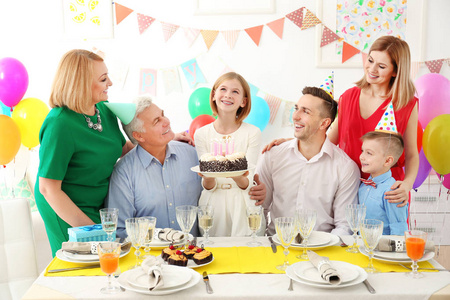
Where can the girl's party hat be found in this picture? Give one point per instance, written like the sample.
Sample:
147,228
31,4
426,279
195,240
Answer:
124,111
328,85
387,121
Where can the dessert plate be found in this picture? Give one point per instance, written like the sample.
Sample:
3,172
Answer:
317,240
362,275
403,259
123,281
196,169
191,264
172,276
82,258
307,271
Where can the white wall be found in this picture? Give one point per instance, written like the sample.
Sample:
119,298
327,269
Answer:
32,32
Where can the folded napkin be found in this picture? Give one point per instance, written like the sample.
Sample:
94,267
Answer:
152,267
171,235
392,244
80,247
323,265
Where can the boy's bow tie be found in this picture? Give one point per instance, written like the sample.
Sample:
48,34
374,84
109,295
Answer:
369,182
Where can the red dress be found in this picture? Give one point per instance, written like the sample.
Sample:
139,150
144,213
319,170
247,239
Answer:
352,127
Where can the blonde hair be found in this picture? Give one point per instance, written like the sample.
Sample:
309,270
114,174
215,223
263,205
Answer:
401,87
392,143
242,112
72,86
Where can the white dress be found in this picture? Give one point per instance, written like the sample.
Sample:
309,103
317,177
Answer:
230,218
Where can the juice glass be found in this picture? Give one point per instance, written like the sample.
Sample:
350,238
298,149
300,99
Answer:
108,253
415,246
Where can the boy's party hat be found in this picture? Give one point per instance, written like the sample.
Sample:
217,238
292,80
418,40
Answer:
328,85
124,111
387,121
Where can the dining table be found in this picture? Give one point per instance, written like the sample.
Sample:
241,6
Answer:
242,272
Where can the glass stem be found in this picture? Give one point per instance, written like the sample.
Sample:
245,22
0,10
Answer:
370,259
414,267
207,235
109,282
354,240
286,252
137,253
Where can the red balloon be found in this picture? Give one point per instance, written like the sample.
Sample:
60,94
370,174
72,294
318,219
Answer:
198,122
419,136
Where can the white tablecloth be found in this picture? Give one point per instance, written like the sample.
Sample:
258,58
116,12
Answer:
252,286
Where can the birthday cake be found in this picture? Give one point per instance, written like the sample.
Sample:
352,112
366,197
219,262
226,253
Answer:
223,163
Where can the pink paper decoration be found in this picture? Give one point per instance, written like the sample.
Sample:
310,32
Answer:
296,17
328,36
435,65
309,20
144,22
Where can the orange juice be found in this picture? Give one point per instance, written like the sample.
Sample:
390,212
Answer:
415,248
109,262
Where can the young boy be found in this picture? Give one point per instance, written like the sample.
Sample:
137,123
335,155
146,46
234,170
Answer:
380,151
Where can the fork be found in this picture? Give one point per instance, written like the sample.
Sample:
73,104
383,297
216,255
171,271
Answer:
343,244
433,269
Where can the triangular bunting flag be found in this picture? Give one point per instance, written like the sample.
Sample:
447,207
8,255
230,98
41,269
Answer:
348,51
328,36
255,33
171,80
144,22
209,36
277,27
415,65
121,12
274,105
191,34
168,30
309,20
230,36
435,65
192,72
364,58
296,17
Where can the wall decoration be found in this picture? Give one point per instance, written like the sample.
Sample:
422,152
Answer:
88,19
147,82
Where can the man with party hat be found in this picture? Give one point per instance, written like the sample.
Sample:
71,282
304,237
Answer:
381,150
155,176
309,171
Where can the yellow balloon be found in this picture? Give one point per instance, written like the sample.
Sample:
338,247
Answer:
29,115
436,143
9,139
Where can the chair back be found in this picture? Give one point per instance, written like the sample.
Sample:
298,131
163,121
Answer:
18,266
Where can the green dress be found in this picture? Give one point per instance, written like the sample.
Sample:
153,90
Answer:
82,158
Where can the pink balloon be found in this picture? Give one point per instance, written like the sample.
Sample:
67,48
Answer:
13,81
433,91
445,180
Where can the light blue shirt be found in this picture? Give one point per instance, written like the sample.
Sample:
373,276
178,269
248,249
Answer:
141,186
378,208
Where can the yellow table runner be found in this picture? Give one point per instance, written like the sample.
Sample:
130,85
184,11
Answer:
241,260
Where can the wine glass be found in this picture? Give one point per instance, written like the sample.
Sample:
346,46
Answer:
109,221
205,221
306,220
415,246
108,253
371,232
137,229
149,236
186,215
286,228
355,213
254,215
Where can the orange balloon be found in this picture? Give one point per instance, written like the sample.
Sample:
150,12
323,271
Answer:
9,139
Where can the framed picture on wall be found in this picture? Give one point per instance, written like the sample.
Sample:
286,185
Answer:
232,7
88,19
361,24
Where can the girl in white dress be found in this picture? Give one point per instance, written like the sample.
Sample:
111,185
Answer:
231,101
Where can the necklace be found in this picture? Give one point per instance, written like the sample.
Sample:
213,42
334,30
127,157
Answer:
97,126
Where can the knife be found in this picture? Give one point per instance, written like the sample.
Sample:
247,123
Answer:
209,290
272,244
73,269
369,287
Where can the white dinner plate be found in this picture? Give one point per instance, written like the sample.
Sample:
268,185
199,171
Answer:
426,256
316,241
196,169
123,281
172,276
307,271
191,264
159,244
82,258
362,275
